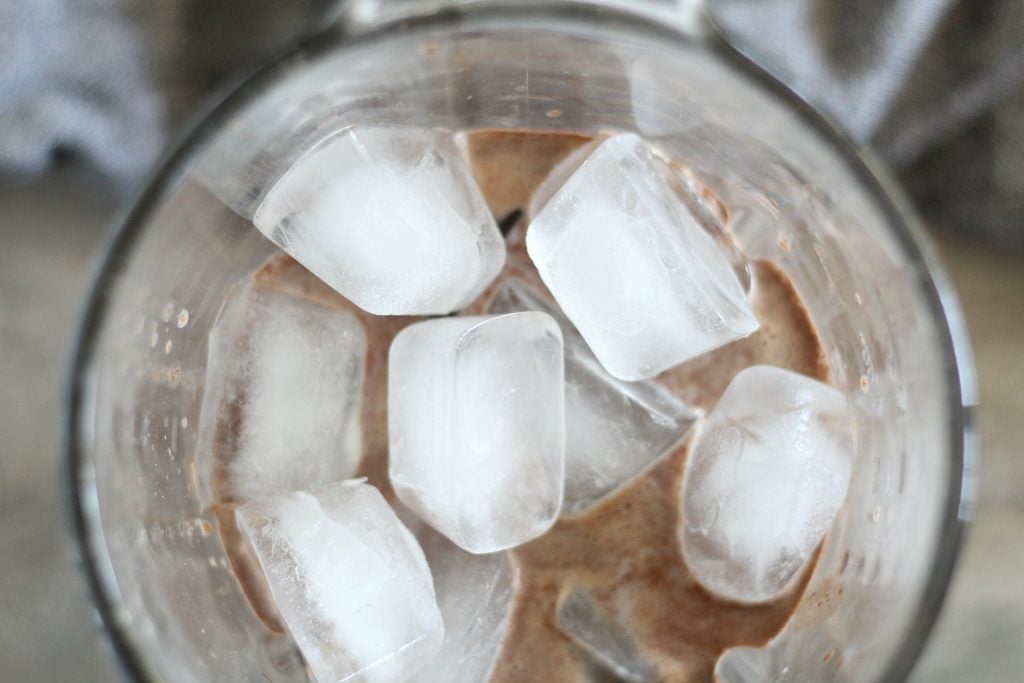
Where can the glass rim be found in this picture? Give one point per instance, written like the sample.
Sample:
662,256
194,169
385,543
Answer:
86,527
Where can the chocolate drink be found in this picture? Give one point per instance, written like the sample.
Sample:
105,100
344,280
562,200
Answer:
624,550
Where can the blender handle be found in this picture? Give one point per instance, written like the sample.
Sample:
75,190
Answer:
357,16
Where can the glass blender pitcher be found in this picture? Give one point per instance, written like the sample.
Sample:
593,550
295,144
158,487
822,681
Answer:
798,194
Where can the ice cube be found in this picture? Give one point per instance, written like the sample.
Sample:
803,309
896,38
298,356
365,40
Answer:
351,582
557,177
633,270
766,475
602,636
742,664
282,395
613,429
477,426
390,217
474,593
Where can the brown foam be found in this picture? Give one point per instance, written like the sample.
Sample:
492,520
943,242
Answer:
509,165
787,338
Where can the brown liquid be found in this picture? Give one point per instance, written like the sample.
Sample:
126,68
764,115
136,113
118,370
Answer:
625,548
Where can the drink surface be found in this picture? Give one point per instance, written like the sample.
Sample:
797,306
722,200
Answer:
623,553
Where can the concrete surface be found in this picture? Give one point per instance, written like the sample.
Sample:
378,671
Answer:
980,635
49,234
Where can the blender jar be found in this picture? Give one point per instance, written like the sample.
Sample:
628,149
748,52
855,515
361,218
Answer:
798,195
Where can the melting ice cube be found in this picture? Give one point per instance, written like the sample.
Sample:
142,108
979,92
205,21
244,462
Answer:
765,478
284,383
601,635
613,429
477,426
390,217
557,177
351,582
633,270
474,593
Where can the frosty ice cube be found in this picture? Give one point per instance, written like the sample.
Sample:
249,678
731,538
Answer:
351,582
765,478
474,593
283,389
390,217
636,274
601,635
476,425
557,177
613,429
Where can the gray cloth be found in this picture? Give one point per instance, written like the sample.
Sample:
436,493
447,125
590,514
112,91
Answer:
111,80
936,86
71,77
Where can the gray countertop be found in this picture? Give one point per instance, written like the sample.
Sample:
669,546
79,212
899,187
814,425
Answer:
52,230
